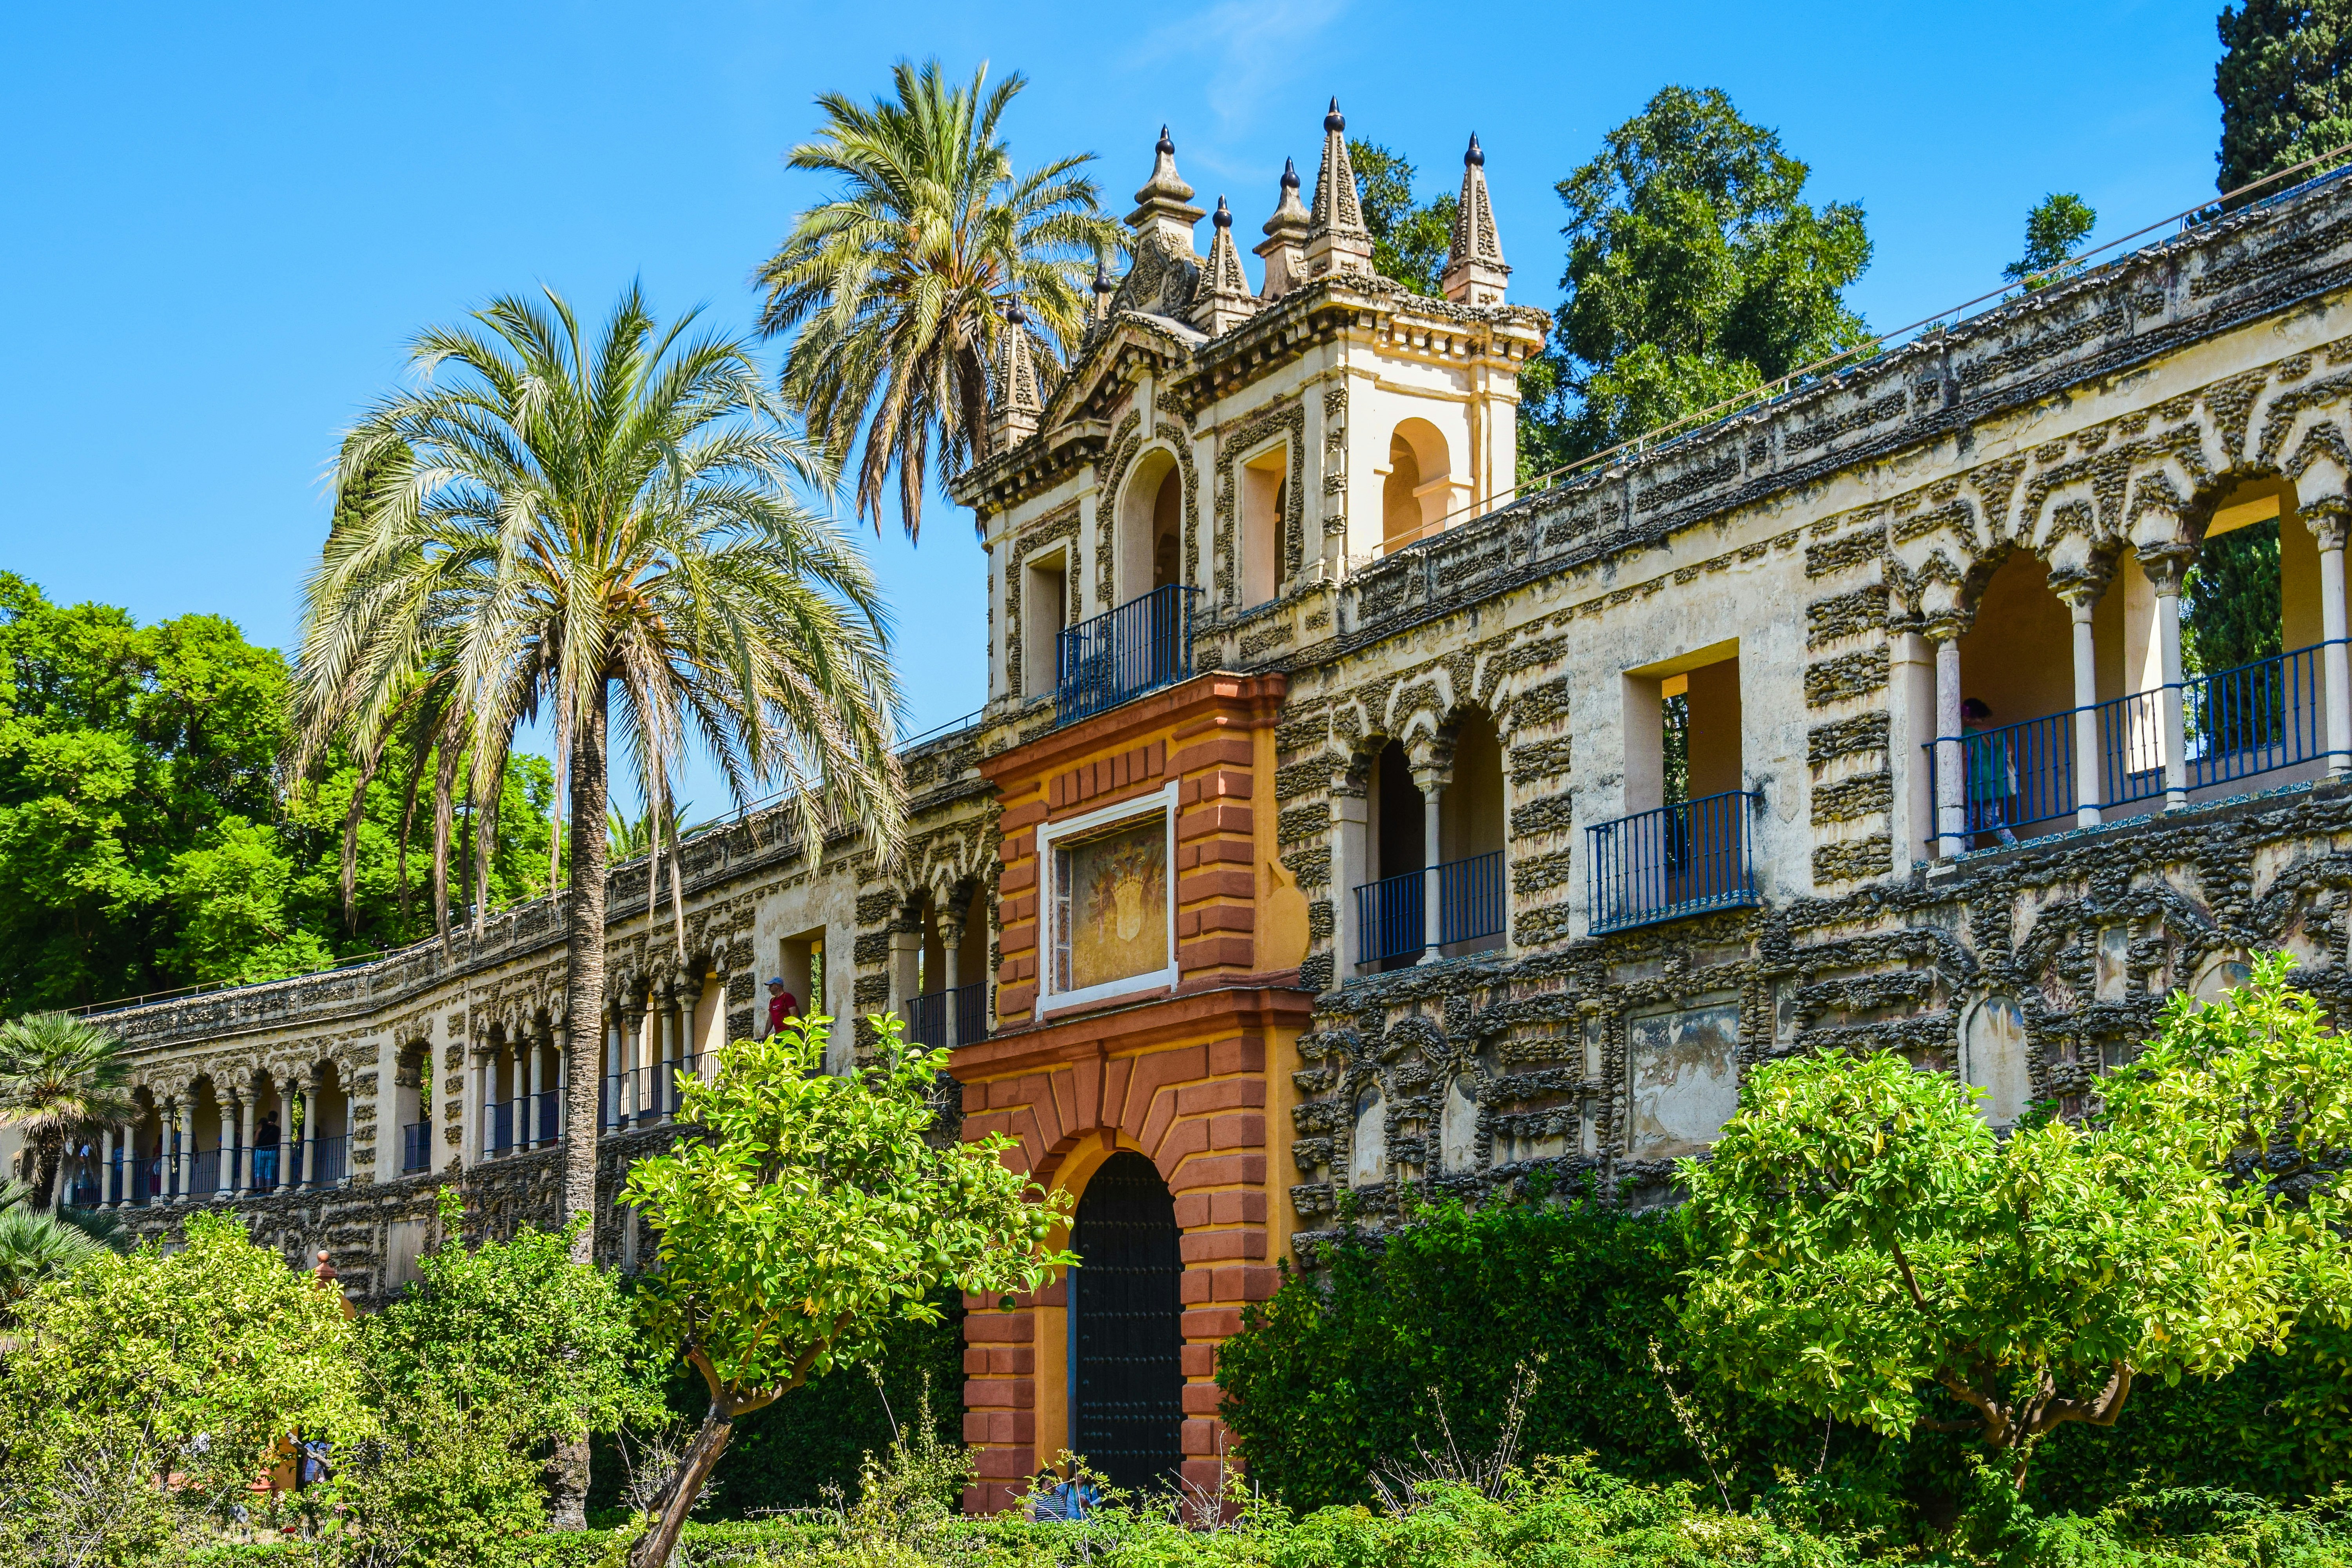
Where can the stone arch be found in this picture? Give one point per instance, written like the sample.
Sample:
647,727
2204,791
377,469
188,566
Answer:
1417,489
1368,1143
1148,521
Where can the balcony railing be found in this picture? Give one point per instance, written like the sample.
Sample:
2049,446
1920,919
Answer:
500,1132
1677,860
971,1011
1392,914
547,1116
927,1017
204,1173
416,1147
643,1095
1119,655
135,1179
264,1171
2236,723
331,1164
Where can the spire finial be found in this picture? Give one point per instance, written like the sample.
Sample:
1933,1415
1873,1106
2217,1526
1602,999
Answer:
1224,299
1164,145
1014,315
1103,284
1335,121
1223,216
1475,273
1163,207
1338,240
1284,250
1290,177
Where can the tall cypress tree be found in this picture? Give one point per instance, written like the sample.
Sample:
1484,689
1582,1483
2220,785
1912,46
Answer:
2284,84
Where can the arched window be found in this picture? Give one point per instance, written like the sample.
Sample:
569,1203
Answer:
1264,501
1126,1333
1151,526
1418,490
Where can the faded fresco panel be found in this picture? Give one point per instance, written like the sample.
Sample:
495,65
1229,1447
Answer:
1685,1073
1113,897
1994,1059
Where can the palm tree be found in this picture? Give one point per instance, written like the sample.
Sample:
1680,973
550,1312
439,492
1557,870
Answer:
37,1248
898,284
61,1079
607,529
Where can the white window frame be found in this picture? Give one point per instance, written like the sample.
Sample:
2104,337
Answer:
1050,836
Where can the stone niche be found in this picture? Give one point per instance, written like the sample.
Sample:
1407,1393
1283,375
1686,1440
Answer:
1684,1071
1994,1057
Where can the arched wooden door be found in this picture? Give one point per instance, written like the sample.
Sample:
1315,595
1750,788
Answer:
1127,1327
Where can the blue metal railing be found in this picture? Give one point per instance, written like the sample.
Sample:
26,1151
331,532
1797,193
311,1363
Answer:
2236,723
333,1166
416,1147
501,1128
549,1116
1673,861
1119,655
1391,914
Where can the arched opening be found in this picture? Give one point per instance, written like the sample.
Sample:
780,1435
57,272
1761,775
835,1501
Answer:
1264,501
1125,1329
1390,911
947,991
2016,688
1417,491
208,1148
412,1107
1470,841
1432,883
1151,526
326,1130
266,1165
137,1175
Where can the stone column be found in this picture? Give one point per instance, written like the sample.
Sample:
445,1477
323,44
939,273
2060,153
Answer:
951,965
183,1150
2326,517
105,1167
312,1107
538,1088
224,1166
478,1107
1350,815
1951,778
1432,781
2082,598
2164,575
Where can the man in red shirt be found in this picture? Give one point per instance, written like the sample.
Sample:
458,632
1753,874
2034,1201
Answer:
780,1004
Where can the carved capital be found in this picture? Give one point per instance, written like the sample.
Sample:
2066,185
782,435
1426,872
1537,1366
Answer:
2328,517
2166,565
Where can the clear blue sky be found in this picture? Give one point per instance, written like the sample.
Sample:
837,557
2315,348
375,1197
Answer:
224,221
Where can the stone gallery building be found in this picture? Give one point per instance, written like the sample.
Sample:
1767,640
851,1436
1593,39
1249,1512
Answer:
1343,823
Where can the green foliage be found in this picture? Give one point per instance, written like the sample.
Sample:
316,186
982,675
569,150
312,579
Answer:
61,1079
1332,1377
2282,83
2229,601
1410,239
894,289
37,1248
514,1328
1870,1245
1696,271
443,1486
810,1213
191,1364
2052,229
144,842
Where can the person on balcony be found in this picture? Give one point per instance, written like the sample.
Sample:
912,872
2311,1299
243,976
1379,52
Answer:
265,1152
780,1004
1991,772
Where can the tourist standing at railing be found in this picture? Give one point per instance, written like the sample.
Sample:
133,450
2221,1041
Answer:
780,1004
265,1152
1991,772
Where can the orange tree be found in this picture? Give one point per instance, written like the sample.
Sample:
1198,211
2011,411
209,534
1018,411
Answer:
1868,1240
810,1213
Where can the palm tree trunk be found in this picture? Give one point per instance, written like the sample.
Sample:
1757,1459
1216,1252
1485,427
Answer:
583,1010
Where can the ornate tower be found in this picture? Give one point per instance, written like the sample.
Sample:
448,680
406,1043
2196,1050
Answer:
1224,300
1284,249
1337,239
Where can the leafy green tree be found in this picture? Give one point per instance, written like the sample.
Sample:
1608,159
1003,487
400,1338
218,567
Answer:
2057,224
1696,270
2282,84
1410,239
810,1213
62,1080
894,288
2229,601
436,1486
516,1326
189,1366
37,1247
607,529
1870,1243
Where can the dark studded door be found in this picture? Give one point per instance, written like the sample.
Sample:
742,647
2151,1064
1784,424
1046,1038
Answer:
1127,1325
